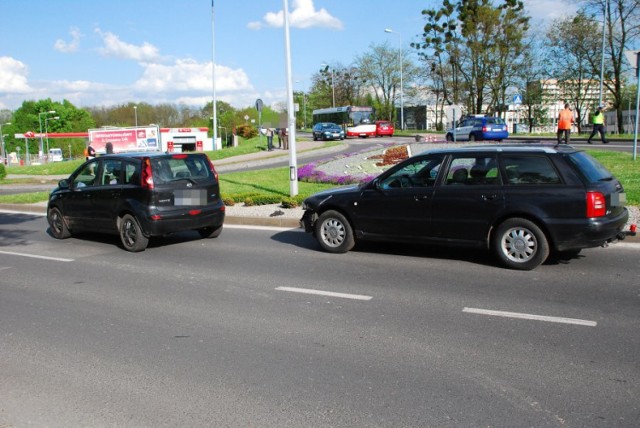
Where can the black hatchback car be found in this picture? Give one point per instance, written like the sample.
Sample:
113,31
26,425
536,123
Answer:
522,202
138,196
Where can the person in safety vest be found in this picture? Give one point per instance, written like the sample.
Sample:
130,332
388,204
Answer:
565,120
598,125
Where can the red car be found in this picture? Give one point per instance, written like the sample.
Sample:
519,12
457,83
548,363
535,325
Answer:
384,127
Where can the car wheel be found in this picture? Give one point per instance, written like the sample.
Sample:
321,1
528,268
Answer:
334,233
449,137
315,138
131,234
210,232
472,137
57,224
520,244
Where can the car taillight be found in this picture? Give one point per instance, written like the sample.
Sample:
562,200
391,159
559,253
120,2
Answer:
596,204
485,129
147,176
213,169
180,156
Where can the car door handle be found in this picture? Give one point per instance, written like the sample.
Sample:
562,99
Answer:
489,197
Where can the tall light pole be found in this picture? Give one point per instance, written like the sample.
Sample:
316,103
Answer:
604,23
135,114
4,153
40,123
333,85
389,30
213,77
293,162
46,129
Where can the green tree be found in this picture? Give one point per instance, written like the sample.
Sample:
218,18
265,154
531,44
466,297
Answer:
27,118
380,69
622,31
569,41
477,50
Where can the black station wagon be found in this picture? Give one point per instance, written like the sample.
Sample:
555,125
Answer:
522,202
138,196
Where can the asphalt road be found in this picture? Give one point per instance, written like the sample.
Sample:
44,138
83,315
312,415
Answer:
223,332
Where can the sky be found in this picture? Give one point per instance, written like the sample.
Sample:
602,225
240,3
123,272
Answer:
111,52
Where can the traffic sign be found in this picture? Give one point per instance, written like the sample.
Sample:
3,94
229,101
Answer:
517,99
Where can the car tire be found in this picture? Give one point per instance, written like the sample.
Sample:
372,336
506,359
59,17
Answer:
210,232
334,233
520,244
131,234
472,138
449,137
57,225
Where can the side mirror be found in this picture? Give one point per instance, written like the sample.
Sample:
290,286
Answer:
64,184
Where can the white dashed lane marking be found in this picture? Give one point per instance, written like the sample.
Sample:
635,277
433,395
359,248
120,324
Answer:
324,293
56,259
518,315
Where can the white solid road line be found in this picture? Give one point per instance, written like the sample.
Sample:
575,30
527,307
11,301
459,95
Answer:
531,317
57,259
324,293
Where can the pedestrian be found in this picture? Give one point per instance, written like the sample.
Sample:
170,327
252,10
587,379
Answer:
109,148
270,139
598,125
279,133
285,138
565,120
91,152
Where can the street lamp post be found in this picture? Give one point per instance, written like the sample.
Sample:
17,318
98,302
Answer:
4,153
333,85
604,22
46,130
214,102
389,30
291,116
40,123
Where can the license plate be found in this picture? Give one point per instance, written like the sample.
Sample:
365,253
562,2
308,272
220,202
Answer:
190,197
618,199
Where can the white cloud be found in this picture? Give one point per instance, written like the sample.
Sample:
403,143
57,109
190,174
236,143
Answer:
13,76
189,75
114,47
303,15
72,46
544,10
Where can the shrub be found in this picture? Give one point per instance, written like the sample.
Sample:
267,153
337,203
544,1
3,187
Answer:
246,131
392,156
3,172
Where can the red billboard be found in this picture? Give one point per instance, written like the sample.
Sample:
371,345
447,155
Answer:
145,138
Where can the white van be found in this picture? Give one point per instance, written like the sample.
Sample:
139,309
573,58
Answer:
55,155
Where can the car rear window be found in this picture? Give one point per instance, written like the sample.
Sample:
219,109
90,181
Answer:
167,169
495,121
589,168
530,170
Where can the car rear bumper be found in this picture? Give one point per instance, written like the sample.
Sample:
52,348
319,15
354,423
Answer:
500,135
588,233
163,223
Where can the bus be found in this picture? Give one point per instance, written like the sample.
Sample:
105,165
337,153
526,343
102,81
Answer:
357,121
